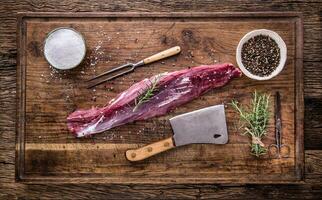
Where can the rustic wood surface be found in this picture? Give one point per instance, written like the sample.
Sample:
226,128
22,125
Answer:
49,152
312,189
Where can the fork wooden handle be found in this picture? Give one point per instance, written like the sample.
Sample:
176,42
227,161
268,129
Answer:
149,150
164,54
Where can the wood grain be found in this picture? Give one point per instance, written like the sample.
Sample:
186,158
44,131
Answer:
312,89
48,96
311,190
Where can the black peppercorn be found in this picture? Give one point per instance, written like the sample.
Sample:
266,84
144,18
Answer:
260,55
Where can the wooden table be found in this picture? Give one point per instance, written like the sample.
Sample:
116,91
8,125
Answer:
312,91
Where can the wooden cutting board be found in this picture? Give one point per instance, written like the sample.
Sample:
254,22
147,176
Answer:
46,151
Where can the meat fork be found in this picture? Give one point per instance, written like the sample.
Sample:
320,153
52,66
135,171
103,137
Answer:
131,66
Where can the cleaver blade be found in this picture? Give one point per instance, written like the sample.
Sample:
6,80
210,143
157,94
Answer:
207,125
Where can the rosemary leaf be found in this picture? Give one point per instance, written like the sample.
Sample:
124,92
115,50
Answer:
148,94
255,120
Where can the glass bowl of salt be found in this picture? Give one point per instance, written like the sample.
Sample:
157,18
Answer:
64,48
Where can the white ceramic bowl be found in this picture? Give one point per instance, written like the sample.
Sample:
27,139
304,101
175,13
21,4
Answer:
278,40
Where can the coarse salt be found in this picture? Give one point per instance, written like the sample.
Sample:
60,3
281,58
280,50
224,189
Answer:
64,48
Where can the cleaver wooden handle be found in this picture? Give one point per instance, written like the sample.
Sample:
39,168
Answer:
149,150
164,54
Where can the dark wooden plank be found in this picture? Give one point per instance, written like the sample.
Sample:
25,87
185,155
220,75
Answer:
313,119
313,170
312,83
312,52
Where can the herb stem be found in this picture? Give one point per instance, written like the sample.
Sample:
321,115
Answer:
256,119
147,95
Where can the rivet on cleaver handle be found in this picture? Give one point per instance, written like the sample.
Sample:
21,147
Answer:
149,150
207,125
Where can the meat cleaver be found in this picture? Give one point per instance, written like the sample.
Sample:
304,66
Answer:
207,125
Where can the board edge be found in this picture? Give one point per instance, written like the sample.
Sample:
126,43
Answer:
19,148
299,101
160,14
19,156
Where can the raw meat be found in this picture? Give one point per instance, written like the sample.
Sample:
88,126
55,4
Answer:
173,89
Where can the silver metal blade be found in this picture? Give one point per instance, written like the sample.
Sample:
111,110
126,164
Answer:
207,125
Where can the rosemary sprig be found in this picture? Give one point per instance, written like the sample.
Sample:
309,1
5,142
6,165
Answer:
148,94
255,118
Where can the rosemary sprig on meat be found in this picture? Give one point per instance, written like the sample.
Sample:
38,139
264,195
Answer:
255,118
148,94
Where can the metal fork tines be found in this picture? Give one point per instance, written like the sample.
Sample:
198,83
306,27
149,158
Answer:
131,66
